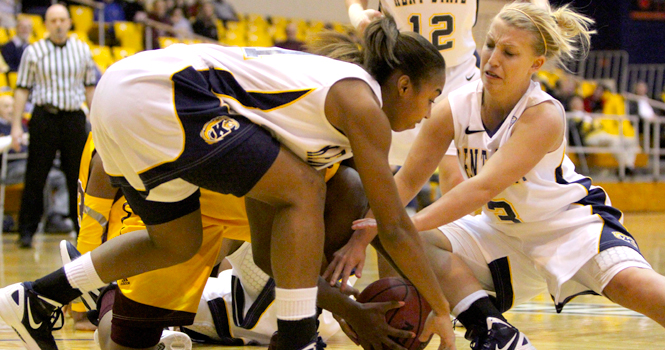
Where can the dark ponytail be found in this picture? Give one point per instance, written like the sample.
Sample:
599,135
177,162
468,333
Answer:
383,50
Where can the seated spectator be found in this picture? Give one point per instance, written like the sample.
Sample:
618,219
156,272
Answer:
7,14
56,197
618,134
13,50
579,121
159,14
642,108
206,21
594,102
181,25
113,11
291,42
224,11
565,89
134,10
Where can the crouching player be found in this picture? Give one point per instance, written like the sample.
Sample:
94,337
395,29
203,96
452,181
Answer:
144,304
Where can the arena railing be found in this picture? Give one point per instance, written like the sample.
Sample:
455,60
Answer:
652,74
602,64
582,151
651,142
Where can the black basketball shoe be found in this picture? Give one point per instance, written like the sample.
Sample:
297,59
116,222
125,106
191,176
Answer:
32,316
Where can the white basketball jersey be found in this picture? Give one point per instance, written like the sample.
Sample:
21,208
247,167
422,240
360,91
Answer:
547,190
448,24
281,90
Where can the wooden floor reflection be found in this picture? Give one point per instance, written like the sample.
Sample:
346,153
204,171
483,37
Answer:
586,323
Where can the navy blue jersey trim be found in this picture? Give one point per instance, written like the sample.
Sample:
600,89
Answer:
257,309
559,307
218,311
503,285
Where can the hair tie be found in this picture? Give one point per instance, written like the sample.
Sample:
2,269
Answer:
534,23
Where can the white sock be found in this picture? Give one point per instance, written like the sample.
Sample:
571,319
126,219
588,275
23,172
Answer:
295,304
81,274
465,304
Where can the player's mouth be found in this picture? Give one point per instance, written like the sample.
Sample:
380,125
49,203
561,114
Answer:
491,75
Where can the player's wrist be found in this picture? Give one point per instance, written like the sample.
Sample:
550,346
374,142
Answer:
356,14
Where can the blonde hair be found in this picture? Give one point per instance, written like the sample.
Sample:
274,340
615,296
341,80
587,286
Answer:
560,34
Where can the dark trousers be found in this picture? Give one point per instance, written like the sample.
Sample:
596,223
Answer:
50,132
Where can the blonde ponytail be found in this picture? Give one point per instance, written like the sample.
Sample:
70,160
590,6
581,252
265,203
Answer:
560,34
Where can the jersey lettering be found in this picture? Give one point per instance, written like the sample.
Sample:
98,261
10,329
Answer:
444,26
399,3
472,162
504,211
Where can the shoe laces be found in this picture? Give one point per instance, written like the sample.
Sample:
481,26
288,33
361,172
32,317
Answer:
56,316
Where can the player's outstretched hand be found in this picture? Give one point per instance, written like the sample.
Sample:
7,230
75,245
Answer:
347,260
369,329
442,326
360,18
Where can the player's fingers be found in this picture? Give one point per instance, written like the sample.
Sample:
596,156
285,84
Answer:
329,270
359,269
389,305
349,331
339,268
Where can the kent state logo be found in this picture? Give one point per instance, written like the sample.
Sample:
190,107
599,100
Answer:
216,129
625,238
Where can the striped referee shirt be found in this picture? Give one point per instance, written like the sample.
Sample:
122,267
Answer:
57,74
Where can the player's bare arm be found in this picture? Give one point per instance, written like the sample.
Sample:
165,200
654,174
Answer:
426,153
538,131
368,130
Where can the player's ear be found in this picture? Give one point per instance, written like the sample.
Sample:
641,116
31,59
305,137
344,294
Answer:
404,84
537,64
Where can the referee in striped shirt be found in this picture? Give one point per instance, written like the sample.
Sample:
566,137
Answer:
60,74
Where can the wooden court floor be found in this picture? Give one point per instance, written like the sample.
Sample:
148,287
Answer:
586,323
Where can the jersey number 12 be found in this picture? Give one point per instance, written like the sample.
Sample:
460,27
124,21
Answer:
445,26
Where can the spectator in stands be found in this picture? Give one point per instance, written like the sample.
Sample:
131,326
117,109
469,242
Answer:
7,14
565,89
594,102
159,13
181,25
224,11
113,11
579,121
206,21
184,5
643,109
291,42
55,192
134,10
616,132
13,50
57,123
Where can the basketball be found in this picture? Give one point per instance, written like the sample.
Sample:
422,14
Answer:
410,317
